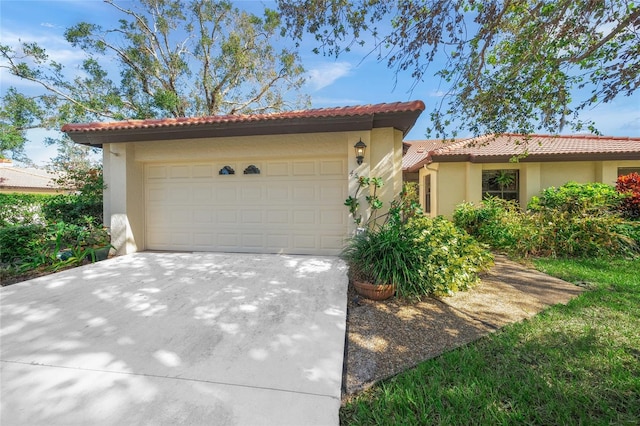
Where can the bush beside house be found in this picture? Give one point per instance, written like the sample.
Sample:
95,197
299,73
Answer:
574,220
44,233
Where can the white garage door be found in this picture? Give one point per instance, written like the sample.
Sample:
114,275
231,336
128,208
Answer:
293,206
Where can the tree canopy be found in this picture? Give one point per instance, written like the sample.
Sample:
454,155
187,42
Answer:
506,66
164,58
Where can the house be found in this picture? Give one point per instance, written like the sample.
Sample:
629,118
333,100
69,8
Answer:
513,166
26,180
267,183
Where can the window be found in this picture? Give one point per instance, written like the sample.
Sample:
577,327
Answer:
623,171
227,170
501,183
252,170
427,194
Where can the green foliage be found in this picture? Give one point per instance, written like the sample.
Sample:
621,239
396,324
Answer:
53,231
576,197
387,255
505,66
573,220
450,258
51,247
420,255
497,222
17,111
72,209
629,185
172,58
572,364
22,209
20,241
373,201
86,201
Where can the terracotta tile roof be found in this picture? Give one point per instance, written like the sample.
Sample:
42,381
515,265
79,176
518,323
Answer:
534,148
348,111
417,152
21,178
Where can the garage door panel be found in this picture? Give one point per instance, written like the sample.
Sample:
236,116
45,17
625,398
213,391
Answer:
332,168
331,217
277,169
279,194
303,193
203,216
228,240
202,171
225,194
281,217
181,216
178,194
252,195
181,171
227,217
251,217
304,217
292,206
156,172
304,168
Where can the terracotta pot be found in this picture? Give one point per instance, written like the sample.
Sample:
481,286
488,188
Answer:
374,291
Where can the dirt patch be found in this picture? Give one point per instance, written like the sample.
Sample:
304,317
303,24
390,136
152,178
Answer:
386,338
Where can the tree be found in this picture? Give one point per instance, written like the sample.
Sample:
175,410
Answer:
510,66
170,58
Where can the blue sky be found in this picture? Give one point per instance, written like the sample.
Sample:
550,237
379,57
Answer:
352,79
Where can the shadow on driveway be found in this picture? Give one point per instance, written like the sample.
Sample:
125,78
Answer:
176,338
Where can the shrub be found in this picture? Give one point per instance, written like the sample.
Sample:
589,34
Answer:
19,242
386,255
450,258
499,223
581,235
578,197
22,209
562,222
629,185
72,209
425,256
418,254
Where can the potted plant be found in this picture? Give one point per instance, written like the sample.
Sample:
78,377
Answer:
381,257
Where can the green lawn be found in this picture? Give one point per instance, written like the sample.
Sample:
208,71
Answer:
574,364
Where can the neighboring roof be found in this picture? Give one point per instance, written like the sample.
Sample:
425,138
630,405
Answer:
399,115
417,151
26,179
500,149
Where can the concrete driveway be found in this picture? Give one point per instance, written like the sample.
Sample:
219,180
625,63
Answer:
176,338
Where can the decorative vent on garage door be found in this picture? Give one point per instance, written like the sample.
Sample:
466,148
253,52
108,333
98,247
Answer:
252,170
227,170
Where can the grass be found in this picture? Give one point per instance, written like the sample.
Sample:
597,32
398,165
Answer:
573,364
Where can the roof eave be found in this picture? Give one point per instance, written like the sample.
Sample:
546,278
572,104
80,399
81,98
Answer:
557,157
402,121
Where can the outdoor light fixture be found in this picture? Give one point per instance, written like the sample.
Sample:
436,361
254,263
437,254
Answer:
360,149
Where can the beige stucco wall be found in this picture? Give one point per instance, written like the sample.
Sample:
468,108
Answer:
124,207
454,183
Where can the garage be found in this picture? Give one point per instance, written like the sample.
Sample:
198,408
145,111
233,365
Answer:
277,206
263,183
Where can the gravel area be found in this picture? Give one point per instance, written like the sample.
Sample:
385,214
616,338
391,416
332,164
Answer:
386,338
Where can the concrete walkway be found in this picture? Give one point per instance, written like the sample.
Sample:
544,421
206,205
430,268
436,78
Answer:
176,338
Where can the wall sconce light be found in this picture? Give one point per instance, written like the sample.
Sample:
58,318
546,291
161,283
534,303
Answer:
360,149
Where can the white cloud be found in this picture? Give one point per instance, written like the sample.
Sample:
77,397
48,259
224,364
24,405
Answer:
48,25
326,74
58,49
437,94
618,118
